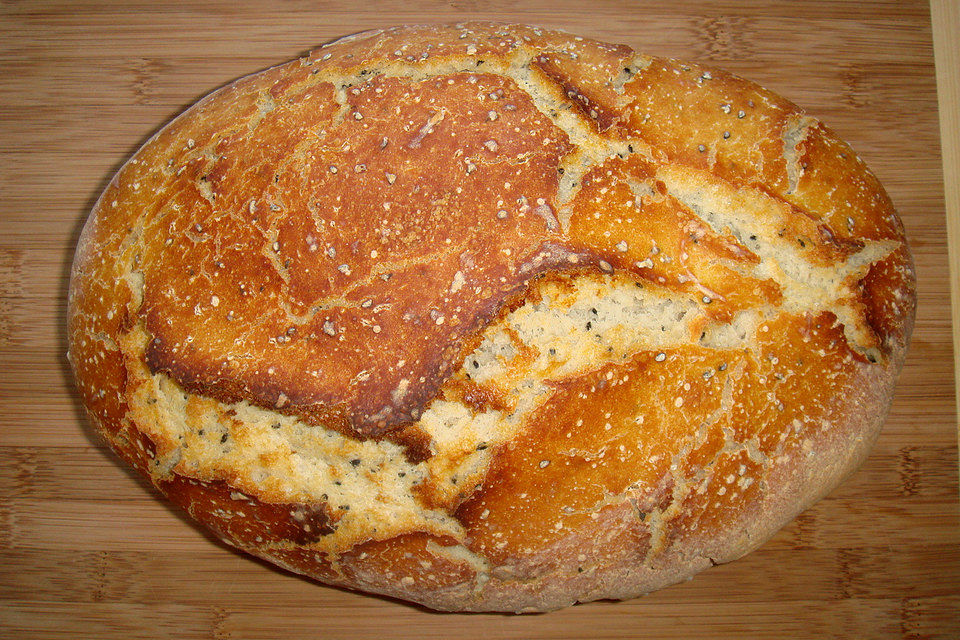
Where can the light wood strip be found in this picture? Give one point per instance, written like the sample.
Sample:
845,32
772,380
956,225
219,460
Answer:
945,17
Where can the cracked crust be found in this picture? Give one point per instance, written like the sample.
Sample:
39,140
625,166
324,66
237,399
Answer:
490,317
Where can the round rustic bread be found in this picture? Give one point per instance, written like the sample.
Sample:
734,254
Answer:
490,317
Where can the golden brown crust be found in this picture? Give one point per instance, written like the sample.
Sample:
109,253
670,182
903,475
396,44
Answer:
340,312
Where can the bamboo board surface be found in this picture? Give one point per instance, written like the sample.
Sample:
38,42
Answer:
86,549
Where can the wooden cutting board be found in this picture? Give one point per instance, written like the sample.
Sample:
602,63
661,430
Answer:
86,549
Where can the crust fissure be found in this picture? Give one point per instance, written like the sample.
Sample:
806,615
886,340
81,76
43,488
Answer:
793,136
368,485
806,286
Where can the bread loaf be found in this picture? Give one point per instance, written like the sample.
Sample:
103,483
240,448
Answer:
491,317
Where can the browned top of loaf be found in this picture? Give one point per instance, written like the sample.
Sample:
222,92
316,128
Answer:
326,237
329,239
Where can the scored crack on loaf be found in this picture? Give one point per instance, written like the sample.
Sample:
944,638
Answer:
490,317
